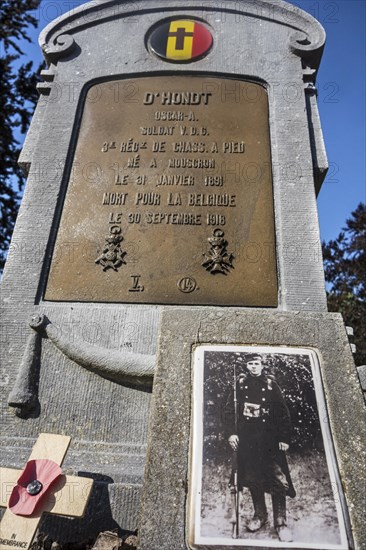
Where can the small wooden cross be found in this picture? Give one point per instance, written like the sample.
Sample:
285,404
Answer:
68,496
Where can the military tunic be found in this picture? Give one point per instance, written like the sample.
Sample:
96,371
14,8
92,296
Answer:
263,422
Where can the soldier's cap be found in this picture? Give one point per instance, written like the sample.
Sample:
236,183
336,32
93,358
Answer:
253,357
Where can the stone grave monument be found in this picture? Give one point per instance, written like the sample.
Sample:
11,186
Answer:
173,164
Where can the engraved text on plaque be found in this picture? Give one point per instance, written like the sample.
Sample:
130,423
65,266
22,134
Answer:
170,196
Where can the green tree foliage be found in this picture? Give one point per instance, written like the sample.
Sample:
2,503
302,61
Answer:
345,273
18,97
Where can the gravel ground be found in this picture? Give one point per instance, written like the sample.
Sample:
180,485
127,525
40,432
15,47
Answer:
311,514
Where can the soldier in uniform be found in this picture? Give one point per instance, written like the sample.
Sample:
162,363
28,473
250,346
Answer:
261,443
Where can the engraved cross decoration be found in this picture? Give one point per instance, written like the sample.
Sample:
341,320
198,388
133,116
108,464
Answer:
40,488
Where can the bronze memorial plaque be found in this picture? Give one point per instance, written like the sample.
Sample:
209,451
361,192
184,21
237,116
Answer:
170,198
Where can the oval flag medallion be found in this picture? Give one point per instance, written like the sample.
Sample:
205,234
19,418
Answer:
180,40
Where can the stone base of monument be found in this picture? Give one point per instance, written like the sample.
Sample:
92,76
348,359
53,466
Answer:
186,498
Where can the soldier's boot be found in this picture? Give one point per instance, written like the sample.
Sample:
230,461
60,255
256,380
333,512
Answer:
260,510
256,523
284,533
279,517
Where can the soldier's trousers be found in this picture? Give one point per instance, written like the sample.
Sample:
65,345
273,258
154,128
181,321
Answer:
278,504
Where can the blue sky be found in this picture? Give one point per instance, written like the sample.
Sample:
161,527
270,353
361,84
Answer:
341,87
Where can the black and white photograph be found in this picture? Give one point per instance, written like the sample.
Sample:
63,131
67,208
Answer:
263,470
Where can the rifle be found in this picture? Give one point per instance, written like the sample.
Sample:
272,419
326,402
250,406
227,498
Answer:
234,487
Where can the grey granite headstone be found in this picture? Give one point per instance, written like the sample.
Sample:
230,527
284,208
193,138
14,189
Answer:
82,363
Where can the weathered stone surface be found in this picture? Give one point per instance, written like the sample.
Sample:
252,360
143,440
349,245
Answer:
362,375
163,526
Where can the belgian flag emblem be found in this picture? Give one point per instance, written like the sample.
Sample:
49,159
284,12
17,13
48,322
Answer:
180,40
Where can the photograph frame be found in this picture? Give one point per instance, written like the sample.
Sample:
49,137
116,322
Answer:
195,539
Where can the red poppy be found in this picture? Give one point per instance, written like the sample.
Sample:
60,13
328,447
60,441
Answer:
33,484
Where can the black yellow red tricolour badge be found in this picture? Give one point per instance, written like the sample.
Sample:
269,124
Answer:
180,40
